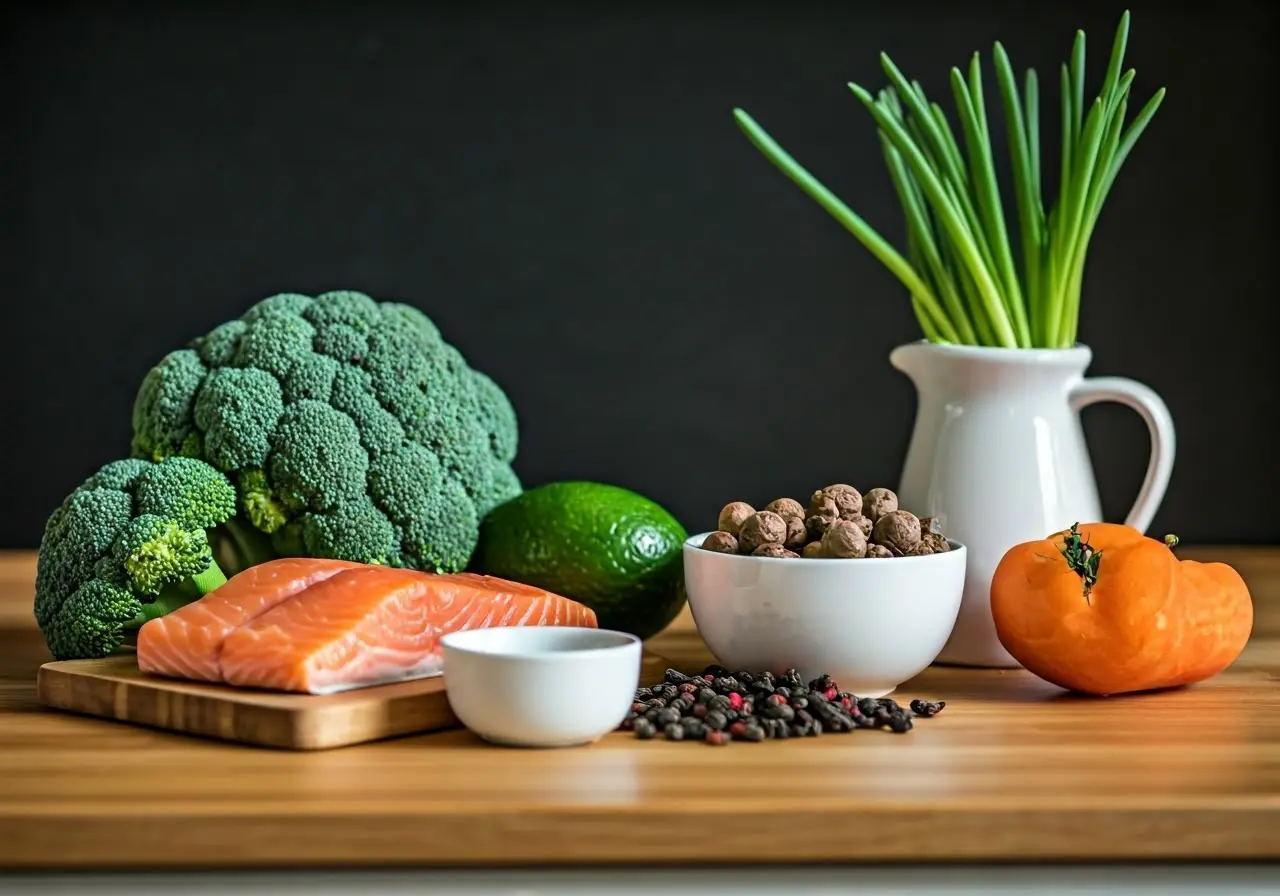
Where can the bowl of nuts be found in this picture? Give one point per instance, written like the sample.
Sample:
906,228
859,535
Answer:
848,584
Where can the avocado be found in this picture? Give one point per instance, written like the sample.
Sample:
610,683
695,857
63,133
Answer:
605,546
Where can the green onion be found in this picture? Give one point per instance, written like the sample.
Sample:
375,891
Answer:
966,282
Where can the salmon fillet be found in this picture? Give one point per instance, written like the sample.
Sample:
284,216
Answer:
187,643
377,625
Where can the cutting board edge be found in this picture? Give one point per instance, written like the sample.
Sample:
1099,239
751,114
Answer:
291,722
319,725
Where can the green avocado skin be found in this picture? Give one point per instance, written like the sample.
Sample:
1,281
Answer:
605,546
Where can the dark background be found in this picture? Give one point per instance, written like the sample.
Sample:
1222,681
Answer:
565,192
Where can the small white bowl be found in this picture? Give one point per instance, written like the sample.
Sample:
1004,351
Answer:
541,686
871,624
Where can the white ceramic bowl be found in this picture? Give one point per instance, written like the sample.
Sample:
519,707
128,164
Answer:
871,624
541,686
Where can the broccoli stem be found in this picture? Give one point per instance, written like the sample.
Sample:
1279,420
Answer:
240,546
181,594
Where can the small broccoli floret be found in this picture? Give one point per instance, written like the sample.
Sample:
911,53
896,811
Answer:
163,424
188,491
237,411
355,529
127,544
93,621
156,553
320,409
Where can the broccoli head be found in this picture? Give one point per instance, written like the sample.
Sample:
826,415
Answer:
128,544
350,428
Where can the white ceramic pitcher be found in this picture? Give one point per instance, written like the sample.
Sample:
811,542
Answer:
998,455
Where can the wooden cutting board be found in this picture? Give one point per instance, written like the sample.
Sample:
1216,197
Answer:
114,688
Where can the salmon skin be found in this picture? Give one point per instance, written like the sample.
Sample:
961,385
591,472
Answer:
355,626
187,643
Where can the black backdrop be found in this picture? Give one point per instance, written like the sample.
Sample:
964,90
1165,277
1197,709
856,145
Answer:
566,193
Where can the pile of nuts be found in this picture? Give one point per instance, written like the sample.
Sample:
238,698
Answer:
718,706
839,523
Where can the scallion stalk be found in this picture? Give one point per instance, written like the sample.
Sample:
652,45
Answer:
965,281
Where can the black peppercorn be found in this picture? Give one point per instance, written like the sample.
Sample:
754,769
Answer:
791,678
715,718
802,717
899,723
669,716
889,703
693,728
715,671
699,711
706,695
799,702
674,732
781,711
727,685
645,729
868,706
716,737
644,693
675,676
783,692
719,701
688,688
927,708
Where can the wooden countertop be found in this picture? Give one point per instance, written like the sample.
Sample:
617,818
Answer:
1011,770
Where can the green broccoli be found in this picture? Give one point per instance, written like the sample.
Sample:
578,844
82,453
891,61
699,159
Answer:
128,544
349,427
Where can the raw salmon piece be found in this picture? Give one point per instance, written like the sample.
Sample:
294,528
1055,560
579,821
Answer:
187,642
379,625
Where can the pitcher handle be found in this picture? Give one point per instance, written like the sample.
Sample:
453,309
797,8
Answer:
1155,413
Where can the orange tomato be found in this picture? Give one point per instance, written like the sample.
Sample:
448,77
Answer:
1102,609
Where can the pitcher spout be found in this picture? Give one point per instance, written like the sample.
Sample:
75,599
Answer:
912,359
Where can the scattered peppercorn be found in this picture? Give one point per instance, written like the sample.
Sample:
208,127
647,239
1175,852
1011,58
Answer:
927,709
719,705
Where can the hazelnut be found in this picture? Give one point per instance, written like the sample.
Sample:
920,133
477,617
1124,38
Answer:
878,550
765,527
786,508
733,515
773,549
924,547
812,550
721,542
899,531
844,539
877,502
822,512
936,540
848,499
865,525
797,532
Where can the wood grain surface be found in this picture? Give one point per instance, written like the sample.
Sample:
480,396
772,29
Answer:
1012,770
115,688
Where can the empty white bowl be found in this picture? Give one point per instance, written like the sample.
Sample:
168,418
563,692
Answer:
870,623
541,686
